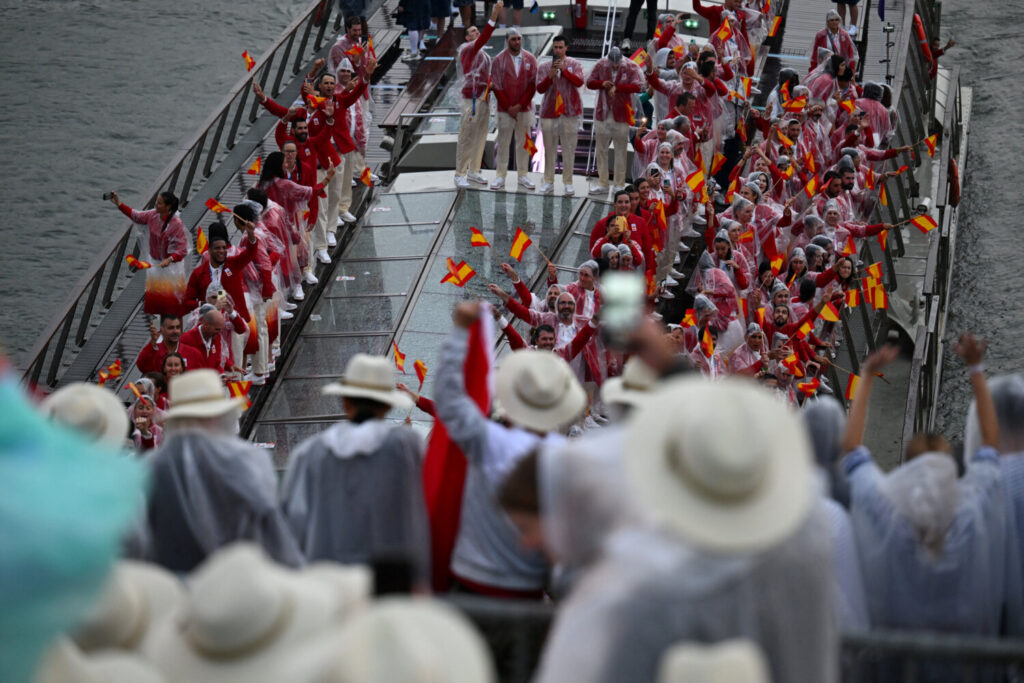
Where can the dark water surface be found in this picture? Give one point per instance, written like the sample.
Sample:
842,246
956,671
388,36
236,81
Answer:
97,96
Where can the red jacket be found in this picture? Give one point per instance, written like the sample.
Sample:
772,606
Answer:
214,360
151,357
512,88
339,129
315,150
230,279
640,233
475,64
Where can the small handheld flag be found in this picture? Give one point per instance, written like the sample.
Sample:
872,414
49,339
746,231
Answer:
216,207
256,167
724,31
519,244
240,390
354,51
851,386
853,298
707,343
810,388
776,22
316,102
830,313
112,371
249,61
529,146
930,143
784,139
924,223
458,274
477,238
630,115
399,358
792,363
689,319
136,263
848,106
559,104
874,270
811,188
366,178
202,244
639,56
695,180
421,371
717,162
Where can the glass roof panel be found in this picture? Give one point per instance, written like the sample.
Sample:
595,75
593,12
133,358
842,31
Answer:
327,356
355,314
391,240
283,437
373,277
408,207
301,398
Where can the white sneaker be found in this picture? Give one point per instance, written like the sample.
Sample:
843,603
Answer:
676,261
618,188
626,44
477,178
289,306
285,315
656,315
410,56
570,191
348,217
322,256
684,248
690,232
332,241
374,178
675,274
668,296
460,181
310,279
297,292
354,183
547,188
498,184
597,189
340,222
527,183
699,220
852,30
671,281
257,380
590,423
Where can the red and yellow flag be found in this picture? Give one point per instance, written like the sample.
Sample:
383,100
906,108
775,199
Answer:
477,238
809,164
689,318
695,180
786,142
399,358
879,298
249,61
240,390
717,162
771,253
848,106
804,330
135,391
797,104
707,343
559,104
733,186
747,235
421,371
256,167
112,371
366,178
354,51
787,172
930,143
853,298
883,239
202,244
924,223
745,83
869,179
776,22
830,313
458,274
136,263
216,207
901,169
657,31
759,316
316,102
519,244
792,363
883,199
724,31
630,114
811,188
809,388
851,387
849,248
369,45
741,129
529,146
875,271
639,56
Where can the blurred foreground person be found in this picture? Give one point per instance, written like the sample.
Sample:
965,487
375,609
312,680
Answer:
731,545
734,661
210,488
354,492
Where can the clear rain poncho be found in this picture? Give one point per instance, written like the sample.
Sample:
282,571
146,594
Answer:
354,492
210,490
651,590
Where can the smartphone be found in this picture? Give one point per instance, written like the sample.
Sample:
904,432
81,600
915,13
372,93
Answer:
622,307
107,196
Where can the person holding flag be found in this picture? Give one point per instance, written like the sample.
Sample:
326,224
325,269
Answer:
836,40
559,80
514,82
616,80
351,46
473,76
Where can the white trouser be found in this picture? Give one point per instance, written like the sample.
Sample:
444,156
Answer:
238,347
564,130
327,218
611,132
521,125
353,167
472,136
668,254
259,359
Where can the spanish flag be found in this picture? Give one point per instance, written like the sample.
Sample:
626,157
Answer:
366,177
853,298
930,143
316,102
689,319
732,190
786,142
741,129
695,180
809,164
639,56
679,51
879,298
559,104
849,248
202,244
771,253
477,238
421,371
399,358
745,83
883,239
851,387
811,188
747,235
776,22
136,263
883,199
135,390
810,388
249,61
354,51
796,105
869,179
256,167
848,106
875,271
787,172
216,207
657,31
804,330
724,31
369,44
830,313
792,363
240,390
759,316
707,344
529,146
924,223
112,371
717,162
458,274
519,244
901,169
630,115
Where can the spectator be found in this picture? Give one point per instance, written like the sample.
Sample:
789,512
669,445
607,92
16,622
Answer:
163,343
616,81
473,73
559,81
514,81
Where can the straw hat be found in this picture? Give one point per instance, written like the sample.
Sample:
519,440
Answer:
732,661
369,377
136,597
634,386
352,582
538,390
65,663
409,640
245,619
731,473
200,393
90,409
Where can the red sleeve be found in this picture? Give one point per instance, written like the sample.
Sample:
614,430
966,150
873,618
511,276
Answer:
638,254
763,125
752,369
714,18
638,143
349,97
482,39
583,335
125,209
238,324
741,278
281,133
666,36
572,78
325,152
519,311
543,86
790,328
709,86
278,110
515,341
595,83
627,88
720,86
874,229
595,251
822,279
244,257
814,50
727,73
146,444
192,293
146,360
426,405
525,295
776,173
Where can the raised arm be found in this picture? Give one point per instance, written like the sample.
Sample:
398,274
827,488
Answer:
465,423
854,435
973,352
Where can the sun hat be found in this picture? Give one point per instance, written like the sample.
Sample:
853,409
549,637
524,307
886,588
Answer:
633,387
353,583
538,390
369,377
409,640
711,474
65,663
731,661
200,393
90,409
137,595
245,619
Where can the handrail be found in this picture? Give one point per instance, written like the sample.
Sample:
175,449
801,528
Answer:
179,176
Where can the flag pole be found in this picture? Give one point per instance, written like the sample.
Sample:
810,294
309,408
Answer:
541,252
904,222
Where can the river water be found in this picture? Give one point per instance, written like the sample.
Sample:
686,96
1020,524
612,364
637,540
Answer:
98,94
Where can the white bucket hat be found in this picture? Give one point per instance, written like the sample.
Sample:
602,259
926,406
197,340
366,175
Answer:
369,377
90,409
136,597
200,393
538,390
633,387
732,661
245,619
353,583
65,663
409,640
730,473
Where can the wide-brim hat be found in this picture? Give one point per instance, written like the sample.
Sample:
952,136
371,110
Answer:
245,619
136,597
730,473
90,409
65,663
538,390
634,386
200,393
732,661
369,377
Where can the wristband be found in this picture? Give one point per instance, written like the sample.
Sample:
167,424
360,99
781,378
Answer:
976,369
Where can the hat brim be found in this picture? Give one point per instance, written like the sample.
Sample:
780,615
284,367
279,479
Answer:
115,430
211,408
774,511
523,414
393,397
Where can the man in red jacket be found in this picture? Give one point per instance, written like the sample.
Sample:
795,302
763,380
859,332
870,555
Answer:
206,341
638,228
559,80
162,342
616,80
514,81
473,71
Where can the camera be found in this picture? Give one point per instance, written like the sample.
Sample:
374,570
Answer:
888,28
107,196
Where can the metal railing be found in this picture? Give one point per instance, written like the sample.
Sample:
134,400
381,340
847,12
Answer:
94,293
